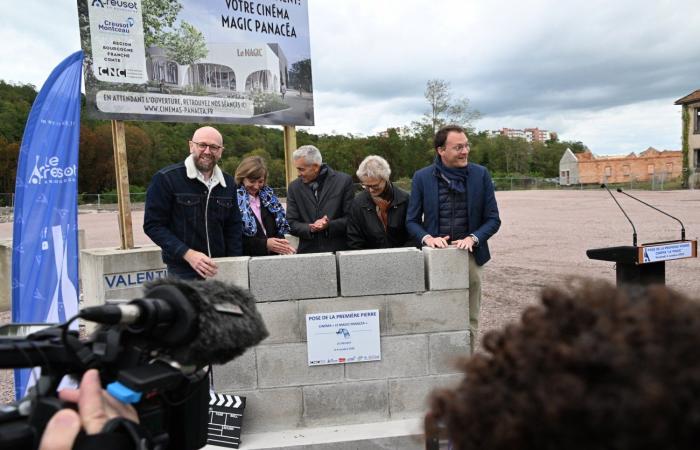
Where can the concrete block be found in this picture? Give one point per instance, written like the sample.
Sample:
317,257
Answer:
383,271
446,268
329,305
233,270
445,348
282,320
404,434
287,365
118,274
271,409
433,311
402,356
346,403
238,374
291,277
408,397
6,269
5,274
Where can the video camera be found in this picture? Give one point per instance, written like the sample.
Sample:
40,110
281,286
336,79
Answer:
152,352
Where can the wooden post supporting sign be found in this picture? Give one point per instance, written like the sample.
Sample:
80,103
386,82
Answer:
290,144
126,231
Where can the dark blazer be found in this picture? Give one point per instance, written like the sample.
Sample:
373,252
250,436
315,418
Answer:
483,219
257,245
303,209
366,231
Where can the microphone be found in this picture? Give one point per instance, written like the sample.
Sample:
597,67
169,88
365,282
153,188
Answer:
634,230
198,322
657,209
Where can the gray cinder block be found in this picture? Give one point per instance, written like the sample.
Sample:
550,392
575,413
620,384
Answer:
408,397
383,271
233,270
445,348
433,311
446,268
291,277
329,305
237,374
402,356
287,365
271,409
282,321
346,403
109,274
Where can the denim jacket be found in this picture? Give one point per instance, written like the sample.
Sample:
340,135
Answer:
182,214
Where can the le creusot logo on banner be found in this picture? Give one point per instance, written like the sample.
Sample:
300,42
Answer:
52,172
117,4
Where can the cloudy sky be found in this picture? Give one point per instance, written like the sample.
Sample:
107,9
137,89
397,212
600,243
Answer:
602,72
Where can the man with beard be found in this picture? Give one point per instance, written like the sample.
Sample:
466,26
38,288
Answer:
191,211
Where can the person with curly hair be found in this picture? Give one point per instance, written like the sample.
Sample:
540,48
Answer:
592,367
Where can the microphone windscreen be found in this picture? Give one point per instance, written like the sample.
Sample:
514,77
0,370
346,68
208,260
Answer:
221,336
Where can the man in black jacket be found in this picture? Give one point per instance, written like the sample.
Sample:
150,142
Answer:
377,217
191,211
318,203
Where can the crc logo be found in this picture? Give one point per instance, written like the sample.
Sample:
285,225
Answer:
111,72
51,171
121,4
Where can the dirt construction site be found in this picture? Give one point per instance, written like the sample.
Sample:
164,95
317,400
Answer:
543,240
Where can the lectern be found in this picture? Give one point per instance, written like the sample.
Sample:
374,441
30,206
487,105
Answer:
644,264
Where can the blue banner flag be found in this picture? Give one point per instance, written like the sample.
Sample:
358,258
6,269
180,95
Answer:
45,233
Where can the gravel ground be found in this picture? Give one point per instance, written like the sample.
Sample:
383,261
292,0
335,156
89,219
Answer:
543,239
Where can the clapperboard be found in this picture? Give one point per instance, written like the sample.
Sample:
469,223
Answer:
225,419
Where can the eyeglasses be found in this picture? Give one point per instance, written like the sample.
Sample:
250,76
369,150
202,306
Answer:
212,147
460,147
373,187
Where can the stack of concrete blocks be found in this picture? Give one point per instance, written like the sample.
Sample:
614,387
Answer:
422,332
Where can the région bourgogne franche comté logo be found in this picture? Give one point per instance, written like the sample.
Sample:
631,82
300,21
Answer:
51,171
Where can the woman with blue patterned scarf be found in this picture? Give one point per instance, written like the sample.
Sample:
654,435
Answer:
264,220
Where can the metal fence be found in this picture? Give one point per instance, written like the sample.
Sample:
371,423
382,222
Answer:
108,201
658,182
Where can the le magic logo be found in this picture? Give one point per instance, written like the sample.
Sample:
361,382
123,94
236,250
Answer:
52,171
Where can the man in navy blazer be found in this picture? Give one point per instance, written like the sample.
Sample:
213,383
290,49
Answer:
453,203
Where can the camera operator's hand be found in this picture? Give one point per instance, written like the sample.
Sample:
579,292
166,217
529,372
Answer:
96,407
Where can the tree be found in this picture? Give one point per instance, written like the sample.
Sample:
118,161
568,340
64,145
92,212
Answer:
185,45
445,109
158,15
300,75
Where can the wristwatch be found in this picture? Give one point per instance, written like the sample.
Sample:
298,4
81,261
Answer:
475,239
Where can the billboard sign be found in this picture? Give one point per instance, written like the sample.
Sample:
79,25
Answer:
219,61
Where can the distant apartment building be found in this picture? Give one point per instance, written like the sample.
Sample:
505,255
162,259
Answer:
584,168
690,124
529,134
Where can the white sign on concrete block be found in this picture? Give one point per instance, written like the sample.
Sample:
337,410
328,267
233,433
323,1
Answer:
343,337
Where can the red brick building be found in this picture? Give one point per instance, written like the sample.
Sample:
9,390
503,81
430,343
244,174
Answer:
575,168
